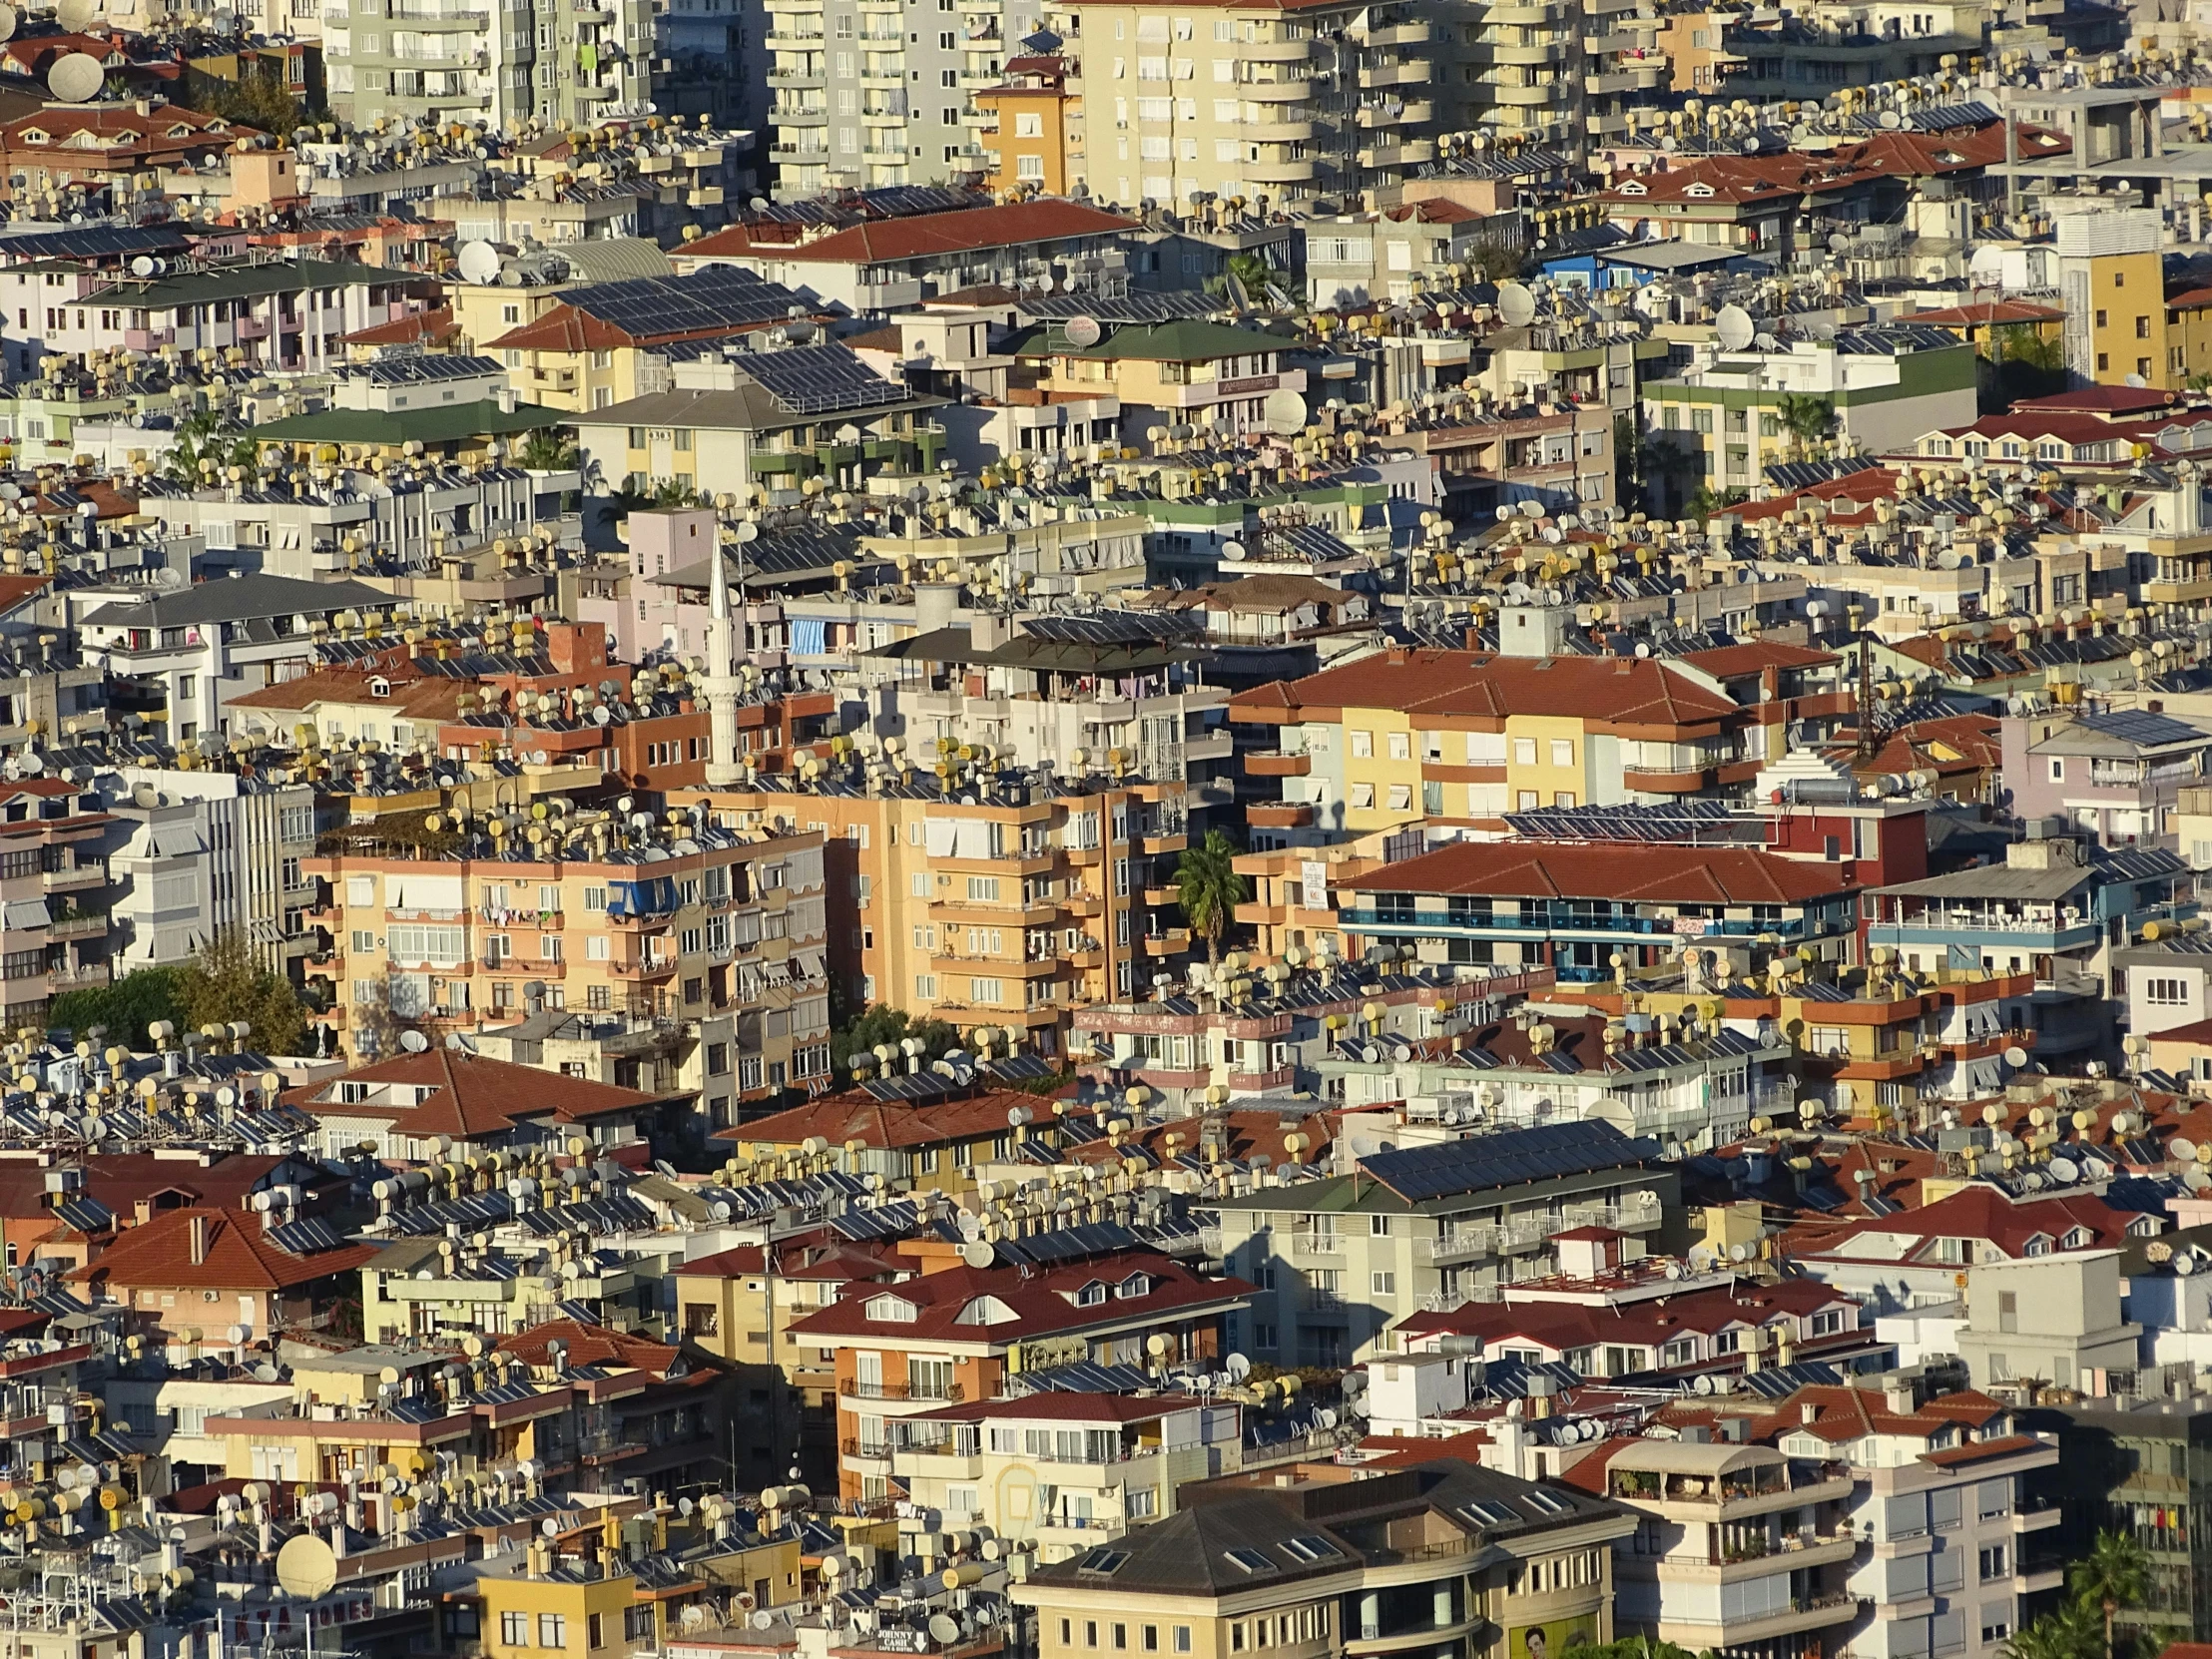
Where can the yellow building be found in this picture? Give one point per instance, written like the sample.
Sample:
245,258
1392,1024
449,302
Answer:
1460,737
2111,281
533,1610
1187,370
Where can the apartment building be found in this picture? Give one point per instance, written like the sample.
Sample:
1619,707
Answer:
1320,1560
1557,74
962,1332
193,852
282,315
51,884
2056,909
1016,908
1338,1261
1072,1470
1279,104
196,1272
1863,1041
1462,737
563,62
1887,386
715,925
1735,1547
1953,1506
1589,911
1295,1036
1186,370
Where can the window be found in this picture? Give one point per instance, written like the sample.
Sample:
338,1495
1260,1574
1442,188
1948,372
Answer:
2165,993
552,1630
1994,1562
2057,769
1402,745
1562,752
1363,744
592,1631
514,1628
1182,1638
1383,1283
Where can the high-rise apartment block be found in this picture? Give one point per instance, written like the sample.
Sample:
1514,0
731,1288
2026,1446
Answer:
565,62
1290,103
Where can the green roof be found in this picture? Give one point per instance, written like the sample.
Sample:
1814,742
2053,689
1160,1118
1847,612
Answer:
1185,339
252,281
442,423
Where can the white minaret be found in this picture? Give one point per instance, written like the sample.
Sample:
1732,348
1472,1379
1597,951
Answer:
723,771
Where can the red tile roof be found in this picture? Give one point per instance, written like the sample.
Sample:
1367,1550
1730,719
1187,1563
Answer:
415,328
1483,690
470,1094
14,590
964,231
2099,399
1988,311
1976,1211
1652,873
1729,662
589,1344
882,1124
1039,1301
239,1256
1562,1326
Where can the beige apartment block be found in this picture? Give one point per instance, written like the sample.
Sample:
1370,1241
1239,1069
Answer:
1290,103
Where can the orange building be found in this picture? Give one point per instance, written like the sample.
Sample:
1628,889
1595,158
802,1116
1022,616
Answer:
1039,140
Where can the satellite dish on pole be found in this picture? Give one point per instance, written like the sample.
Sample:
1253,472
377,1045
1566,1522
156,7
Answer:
1083,333
1517,305
76,78
1285,412
1734,328
305,1568
479,262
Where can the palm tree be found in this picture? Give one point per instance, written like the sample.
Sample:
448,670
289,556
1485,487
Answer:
2115,1574
1806,418
548,449
2068,1633
1209,889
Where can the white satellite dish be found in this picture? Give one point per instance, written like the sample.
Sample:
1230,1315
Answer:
1891,120
479,262
414,1042
1734,328
2016,1057
2181,1151
2185,1263
76,78
1517,305
1284,412
1237,1368
1083,333
2063,1170
9,22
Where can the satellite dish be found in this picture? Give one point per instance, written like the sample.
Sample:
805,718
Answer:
76,78
2016,1057
2181,1151
1839,244
8,22
2137,382
2064,1169
1734,328
305,1568
1237,1368
1285,412
2185,1263
977,1254
1517,305
1891,120
479,262
944,1628
414,1042
1083,333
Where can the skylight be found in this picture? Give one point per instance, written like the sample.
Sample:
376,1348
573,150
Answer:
1251,1560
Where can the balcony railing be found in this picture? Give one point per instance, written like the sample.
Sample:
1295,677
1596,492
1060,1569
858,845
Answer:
852,1388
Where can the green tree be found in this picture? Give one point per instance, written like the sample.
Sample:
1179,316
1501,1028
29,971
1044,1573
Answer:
1806,418
1709,501
126,1006
1496,264
1209,889
548,449
227,982
207,436
1630,1647
1628,459
879,1024
2115,1574
2069,1632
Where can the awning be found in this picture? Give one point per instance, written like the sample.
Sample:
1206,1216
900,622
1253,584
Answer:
176,841
810,636
26,913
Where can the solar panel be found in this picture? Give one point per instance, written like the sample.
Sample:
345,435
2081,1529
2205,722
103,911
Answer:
1114,628
713,297
1127,308
307,1237
93,241
399,371
1505,1158
815,380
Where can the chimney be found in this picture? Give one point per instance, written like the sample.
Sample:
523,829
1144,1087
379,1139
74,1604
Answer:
198,1240
1809,1413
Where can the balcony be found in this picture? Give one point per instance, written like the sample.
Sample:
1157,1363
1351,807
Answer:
86,924
1284,815
1276,51
940,1393
1393,34
1308,1246
1174,943
1413,74
63,977
75,879
1411,153
1275,91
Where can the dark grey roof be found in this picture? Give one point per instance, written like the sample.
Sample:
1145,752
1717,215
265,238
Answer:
2144,729
1227,1538
238,599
